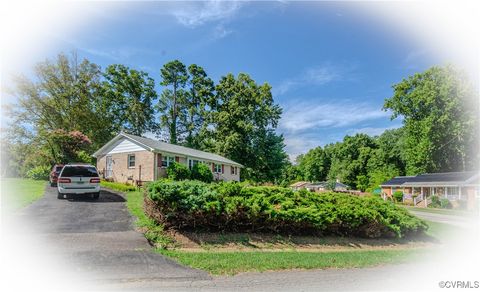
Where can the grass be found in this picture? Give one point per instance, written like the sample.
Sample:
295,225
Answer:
231,263
18,192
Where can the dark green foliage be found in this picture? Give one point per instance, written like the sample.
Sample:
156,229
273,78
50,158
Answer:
241,207
245,119
39,172
435,202
178,171
398,196
202,172
439,109
445,204
129,96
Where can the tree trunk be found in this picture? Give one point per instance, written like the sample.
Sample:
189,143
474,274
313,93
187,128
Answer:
173,127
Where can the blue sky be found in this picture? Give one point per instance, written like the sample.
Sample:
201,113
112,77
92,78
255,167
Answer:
330,65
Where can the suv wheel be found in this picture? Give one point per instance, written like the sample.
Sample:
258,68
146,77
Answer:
96,196
59,195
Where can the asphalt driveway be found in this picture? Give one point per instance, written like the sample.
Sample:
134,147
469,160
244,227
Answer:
97,237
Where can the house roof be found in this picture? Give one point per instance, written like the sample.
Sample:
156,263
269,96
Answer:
435,179
317,184
299,184
158,146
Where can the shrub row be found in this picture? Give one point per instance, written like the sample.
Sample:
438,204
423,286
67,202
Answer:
117,186
200,171
233,206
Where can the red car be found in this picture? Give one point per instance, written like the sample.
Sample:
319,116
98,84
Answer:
57,168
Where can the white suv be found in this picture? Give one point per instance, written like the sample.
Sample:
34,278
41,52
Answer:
78,179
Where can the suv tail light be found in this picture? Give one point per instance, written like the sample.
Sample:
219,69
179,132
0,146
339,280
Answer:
64,180
95,180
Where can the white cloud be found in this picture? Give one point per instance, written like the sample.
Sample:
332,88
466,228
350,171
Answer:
221,31
199,13
315,76
307,116
296,145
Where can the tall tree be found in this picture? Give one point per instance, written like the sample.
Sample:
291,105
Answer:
173,98
200,101
59,97
129,95
244,115
349,158
440,116
315,165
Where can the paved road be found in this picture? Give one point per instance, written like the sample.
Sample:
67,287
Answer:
97,238
459,221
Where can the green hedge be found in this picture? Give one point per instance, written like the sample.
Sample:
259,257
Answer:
241,207
117,186
178,171
202,172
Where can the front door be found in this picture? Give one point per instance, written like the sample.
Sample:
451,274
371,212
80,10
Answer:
108,169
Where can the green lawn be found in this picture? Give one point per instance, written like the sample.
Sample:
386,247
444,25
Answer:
18,192
230,263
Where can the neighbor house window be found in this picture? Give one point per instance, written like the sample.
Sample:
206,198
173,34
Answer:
131,160
232,170
167,161
452,191
217,168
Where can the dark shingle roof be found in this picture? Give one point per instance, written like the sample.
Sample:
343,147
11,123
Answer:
430,179
398,180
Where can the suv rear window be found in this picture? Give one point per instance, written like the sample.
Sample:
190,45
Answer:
85,171
58,169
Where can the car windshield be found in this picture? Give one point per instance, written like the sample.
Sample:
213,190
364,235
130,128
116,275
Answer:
78,170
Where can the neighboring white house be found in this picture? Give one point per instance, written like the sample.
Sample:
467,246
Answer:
132,158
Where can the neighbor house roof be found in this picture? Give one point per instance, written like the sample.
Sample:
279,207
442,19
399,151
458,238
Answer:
322,184
158,146
299,184
435,179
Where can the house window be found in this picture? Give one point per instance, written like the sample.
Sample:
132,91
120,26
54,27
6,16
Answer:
131,160
217,168
167,161
232,170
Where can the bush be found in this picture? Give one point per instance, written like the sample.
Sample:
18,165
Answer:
117,186
177,171
398,196
230,206
435,202
445,204
202,172
39,172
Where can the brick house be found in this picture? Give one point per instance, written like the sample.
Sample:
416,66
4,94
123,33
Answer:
130,158
458,187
